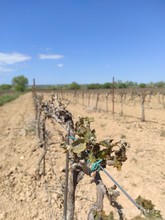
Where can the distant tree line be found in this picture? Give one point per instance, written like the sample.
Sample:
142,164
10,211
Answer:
109,85
20,84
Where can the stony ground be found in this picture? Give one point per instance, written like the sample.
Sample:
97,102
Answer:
23,197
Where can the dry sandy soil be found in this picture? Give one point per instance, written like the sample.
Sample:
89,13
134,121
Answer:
22,197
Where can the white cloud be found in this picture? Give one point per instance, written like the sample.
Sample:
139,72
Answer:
5,70
50,56
60,65
11,58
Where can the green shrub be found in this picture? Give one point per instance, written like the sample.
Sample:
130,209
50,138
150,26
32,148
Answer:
8,98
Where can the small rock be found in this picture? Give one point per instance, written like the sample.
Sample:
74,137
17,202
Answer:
22,197
22,133
28,193
11,171
45,199
62,169
34,214
3,215
22,157
4,158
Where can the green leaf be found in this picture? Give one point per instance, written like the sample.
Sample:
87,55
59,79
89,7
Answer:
79,148
117,164
106,143
102,154
78,142
91,158
149,207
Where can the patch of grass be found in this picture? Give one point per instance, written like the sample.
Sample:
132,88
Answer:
8,98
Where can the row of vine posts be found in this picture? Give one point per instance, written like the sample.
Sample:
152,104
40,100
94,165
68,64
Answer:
57,111
106,100
83,154
112,96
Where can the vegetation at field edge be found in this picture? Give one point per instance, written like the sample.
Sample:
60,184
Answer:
8,98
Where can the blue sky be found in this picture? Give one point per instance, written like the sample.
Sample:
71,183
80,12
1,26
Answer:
87,41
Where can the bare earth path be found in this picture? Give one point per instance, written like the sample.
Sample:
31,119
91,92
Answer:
22,197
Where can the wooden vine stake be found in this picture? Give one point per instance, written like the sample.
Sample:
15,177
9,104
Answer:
113,95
